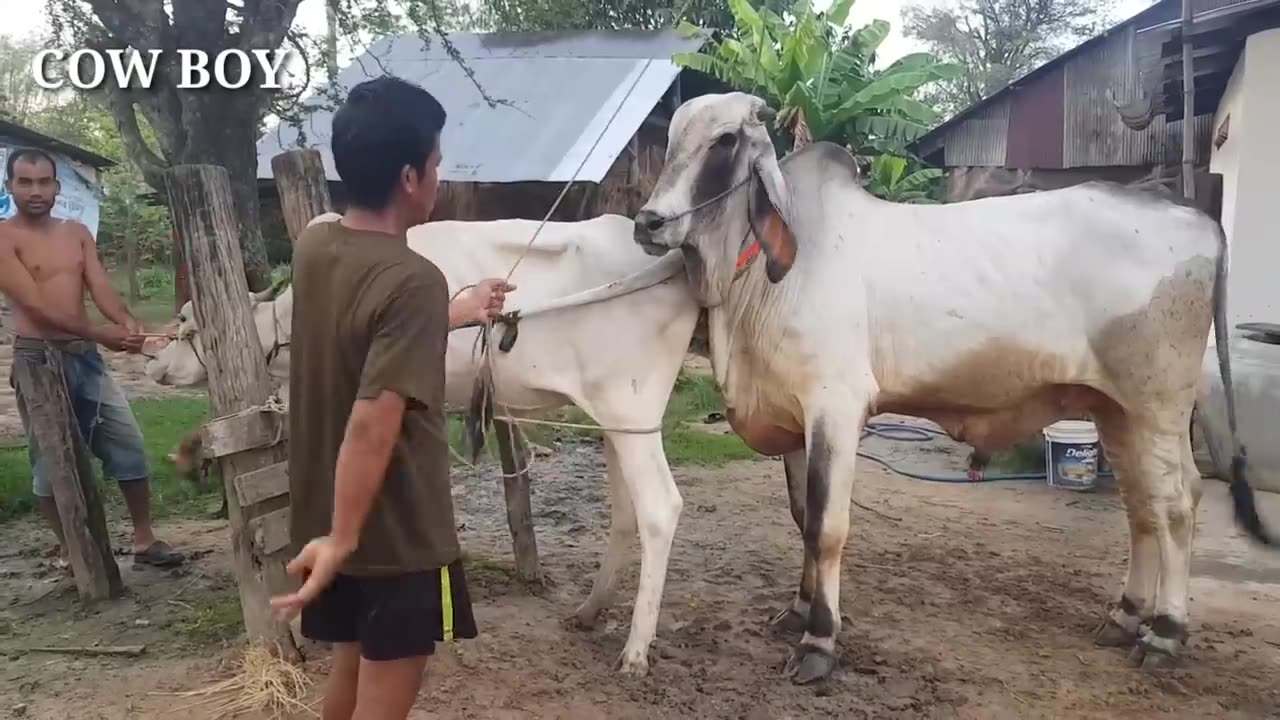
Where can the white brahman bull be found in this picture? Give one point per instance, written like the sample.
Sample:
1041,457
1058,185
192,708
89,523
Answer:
993,317
601,326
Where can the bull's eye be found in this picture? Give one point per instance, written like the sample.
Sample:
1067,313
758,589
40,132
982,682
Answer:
727,141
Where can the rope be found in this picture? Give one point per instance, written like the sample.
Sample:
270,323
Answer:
489,386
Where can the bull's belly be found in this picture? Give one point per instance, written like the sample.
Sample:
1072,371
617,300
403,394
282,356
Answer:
995,428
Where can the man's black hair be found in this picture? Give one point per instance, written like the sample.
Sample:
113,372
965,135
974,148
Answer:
385,124
29,154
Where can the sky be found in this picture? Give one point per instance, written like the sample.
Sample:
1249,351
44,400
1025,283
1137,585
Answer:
24,19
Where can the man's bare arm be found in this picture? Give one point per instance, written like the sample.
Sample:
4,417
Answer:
19,286
371,434
100,289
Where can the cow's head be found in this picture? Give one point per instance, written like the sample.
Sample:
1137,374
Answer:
182,362
721,179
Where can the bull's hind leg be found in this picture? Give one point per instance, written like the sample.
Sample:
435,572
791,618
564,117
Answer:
657,503
622,530
1150,460
1137,602
795,617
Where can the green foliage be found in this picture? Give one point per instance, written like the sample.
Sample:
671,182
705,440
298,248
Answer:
548,15
997,41
821,76
889,179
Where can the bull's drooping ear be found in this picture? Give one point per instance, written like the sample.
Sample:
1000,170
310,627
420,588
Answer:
769,218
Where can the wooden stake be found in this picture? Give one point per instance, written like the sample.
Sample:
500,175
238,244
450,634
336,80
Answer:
304,191
67,463
1188,107
515,485
200,200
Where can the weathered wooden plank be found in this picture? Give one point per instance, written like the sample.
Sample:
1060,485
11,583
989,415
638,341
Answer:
201,202
515,486
303,189
238,433
270,532
66,461
254,487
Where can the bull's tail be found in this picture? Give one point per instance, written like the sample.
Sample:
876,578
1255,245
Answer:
479,417
1242,496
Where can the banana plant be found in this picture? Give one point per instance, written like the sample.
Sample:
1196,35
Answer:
889,179
821,76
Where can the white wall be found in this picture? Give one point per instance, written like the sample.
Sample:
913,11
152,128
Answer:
1249,161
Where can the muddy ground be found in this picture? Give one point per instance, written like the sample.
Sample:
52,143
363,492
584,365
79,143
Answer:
960,601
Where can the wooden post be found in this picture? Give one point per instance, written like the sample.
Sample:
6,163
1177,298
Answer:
515,485
70,470
304,191
205,221
1188,107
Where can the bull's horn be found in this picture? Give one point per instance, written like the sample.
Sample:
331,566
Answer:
764,113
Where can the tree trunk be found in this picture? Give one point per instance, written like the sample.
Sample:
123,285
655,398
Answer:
218,135
331,40
131,259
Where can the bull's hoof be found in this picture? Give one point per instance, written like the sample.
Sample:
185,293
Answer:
633,664
1112,634
809,664
1137,655
790,621
1155,661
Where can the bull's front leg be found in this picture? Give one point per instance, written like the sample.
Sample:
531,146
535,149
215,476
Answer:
832,446
795,617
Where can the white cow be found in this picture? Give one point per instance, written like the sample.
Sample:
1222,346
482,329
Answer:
993,317
602,326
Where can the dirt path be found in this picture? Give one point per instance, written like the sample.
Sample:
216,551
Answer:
978,602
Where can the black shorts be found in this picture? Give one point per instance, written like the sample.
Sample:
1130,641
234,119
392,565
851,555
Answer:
393,616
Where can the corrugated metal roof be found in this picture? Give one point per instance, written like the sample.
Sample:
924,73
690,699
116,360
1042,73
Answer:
562,89
32,138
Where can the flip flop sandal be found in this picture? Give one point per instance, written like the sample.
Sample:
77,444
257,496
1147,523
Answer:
159,554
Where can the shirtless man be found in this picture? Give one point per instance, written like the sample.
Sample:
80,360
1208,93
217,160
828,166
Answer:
46,265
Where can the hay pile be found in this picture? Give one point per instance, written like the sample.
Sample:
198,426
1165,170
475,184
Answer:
263,684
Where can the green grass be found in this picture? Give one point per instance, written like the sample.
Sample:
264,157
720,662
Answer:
164,422
213,618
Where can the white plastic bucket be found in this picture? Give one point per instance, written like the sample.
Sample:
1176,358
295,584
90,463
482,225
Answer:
1071,454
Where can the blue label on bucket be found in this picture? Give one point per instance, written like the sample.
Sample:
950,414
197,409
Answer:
1072,465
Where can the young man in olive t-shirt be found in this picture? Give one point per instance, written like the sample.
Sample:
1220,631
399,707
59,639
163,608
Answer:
372,513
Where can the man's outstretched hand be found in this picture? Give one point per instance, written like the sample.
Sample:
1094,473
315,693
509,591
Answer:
480,303
120,339
317,565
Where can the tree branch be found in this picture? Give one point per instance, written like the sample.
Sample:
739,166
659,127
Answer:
151,165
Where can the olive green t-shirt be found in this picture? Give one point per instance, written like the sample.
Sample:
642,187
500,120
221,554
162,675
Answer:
369,315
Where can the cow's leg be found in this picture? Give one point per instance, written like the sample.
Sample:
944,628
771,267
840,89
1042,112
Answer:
795,617
622,530
657,504
1153,457
1180,497
832,445
1137,601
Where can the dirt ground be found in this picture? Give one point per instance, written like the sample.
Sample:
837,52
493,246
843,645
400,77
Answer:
960,601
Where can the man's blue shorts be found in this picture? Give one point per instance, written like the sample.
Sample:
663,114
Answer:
102,411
